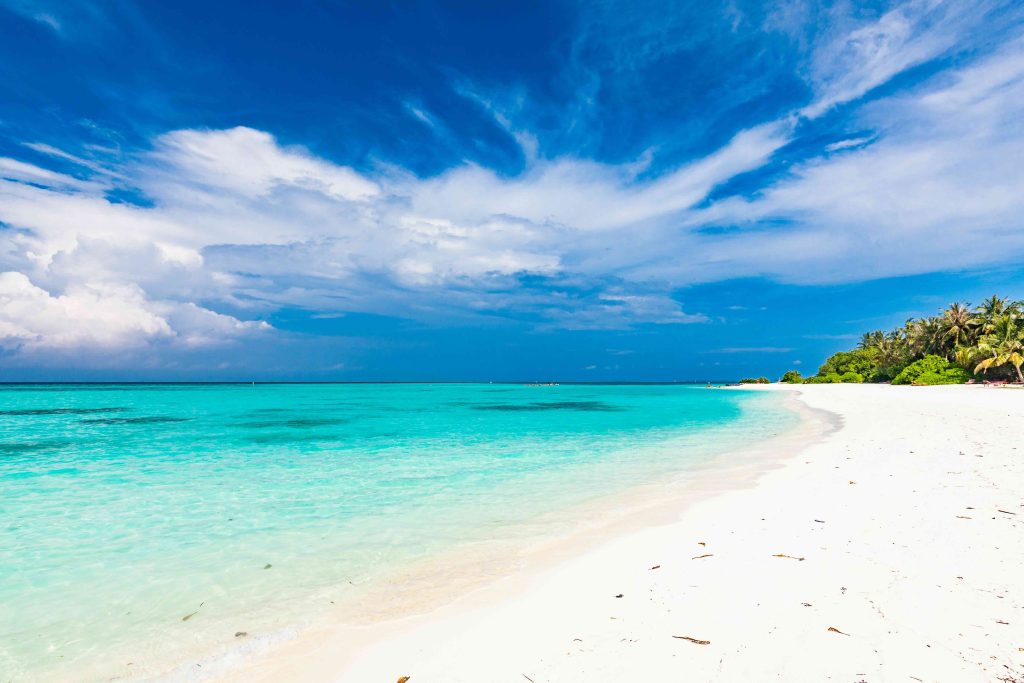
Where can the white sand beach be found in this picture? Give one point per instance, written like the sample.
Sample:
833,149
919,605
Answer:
889,548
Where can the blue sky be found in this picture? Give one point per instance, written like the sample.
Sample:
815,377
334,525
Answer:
574,191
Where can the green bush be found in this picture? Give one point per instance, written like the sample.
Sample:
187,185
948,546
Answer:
953,376
851,378
827,378
932,370
751,380
792,377
864,362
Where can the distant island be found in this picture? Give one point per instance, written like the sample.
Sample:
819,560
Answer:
959,345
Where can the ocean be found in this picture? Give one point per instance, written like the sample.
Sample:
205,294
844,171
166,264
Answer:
145,525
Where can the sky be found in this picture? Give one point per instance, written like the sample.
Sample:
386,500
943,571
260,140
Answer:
592,191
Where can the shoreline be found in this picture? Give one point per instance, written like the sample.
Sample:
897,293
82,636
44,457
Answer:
430,590
504,533
889,549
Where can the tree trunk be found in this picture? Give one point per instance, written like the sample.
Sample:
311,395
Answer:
1020,377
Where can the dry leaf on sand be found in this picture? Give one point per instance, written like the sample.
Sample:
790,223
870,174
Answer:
698,641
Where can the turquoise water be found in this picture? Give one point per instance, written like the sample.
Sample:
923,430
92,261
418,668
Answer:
125,509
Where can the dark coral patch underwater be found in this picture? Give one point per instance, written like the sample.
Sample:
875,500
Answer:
591,406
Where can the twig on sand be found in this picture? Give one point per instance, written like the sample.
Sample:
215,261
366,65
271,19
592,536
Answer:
403,679
833,629
1007,512
657,566
700,557
789,557
528,678
698,641
189,616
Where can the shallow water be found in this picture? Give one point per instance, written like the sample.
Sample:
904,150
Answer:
143,522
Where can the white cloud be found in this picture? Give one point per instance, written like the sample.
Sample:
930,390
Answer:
87,315
620,311
847,144
102,317
12,169
251,163
937,190
858,58
590,196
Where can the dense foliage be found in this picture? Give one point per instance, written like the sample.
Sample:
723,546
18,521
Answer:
932,369
962,342
751,380
792,377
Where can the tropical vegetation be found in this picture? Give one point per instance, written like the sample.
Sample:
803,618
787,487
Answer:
961,343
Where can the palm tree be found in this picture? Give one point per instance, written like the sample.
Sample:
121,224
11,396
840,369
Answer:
956,328
991,309
925,336
1004,345
965,356
871,340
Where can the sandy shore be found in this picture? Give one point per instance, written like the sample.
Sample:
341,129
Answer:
889,549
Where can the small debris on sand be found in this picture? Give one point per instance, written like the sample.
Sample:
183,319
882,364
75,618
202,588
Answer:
789,557
189,616
700,557
698,641
833,629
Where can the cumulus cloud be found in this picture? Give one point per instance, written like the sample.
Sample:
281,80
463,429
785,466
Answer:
87,315
102,317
